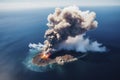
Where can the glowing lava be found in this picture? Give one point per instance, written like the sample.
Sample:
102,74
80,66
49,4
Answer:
44,55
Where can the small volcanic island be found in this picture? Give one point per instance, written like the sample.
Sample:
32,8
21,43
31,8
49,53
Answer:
43,59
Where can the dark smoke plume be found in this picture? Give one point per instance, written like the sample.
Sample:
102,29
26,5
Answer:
66,29
67,22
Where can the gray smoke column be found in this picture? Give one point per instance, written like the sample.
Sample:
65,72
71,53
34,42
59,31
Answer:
67,22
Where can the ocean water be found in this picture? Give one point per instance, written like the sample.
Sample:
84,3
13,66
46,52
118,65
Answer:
19,28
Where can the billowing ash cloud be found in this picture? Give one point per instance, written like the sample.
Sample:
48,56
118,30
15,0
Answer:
66,29
69,22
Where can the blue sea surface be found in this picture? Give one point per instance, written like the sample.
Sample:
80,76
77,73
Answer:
19,28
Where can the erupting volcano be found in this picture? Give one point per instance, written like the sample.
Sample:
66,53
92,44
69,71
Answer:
67,28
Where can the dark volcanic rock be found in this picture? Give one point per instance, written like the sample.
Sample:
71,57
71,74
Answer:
54,59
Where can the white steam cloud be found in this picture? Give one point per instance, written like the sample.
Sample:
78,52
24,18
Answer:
80,44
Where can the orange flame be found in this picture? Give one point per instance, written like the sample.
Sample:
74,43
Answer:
44,55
